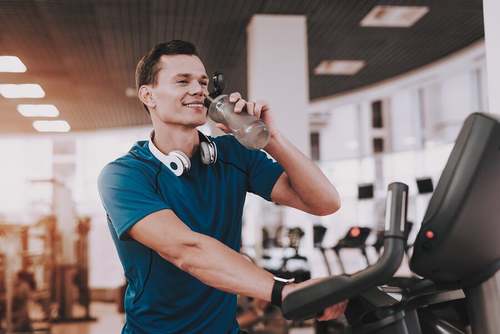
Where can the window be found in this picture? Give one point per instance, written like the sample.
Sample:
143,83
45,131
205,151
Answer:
315,146
378,145
377,118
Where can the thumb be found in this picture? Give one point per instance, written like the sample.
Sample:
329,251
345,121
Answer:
222,127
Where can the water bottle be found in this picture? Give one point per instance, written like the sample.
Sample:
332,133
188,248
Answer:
250,131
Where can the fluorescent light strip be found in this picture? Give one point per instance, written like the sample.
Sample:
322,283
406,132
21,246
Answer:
51,126
38,110
13,91
11,64
339,67
394,16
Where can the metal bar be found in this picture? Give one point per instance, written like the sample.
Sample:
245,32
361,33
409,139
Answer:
483,306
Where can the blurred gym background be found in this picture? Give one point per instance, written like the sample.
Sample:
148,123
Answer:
373,91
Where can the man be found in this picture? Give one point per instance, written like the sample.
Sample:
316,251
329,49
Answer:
178,233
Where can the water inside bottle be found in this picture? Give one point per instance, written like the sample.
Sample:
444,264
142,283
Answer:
256,136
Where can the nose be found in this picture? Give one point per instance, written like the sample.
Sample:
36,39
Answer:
196,88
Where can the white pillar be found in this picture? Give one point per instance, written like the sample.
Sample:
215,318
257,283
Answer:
64,210
492,35
278,74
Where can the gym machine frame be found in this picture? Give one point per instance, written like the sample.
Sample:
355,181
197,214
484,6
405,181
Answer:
456,251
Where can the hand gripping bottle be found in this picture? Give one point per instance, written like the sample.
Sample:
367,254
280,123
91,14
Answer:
250,131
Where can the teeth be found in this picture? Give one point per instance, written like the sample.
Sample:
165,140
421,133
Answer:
194,105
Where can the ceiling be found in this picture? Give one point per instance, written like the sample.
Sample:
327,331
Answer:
83,52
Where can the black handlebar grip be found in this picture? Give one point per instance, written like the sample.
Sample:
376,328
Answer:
396,208
311,300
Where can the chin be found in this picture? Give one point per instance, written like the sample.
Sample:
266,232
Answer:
199,121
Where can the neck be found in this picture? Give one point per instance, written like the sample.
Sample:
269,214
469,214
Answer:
168,137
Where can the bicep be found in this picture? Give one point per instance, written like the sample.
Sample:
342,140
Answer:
284,194
165,233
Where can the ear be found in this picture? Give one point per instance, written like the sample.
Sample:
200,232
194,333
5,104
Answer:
146,96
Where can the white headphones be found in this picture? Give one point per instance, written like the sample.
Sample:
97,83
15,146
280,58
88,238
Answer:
178,162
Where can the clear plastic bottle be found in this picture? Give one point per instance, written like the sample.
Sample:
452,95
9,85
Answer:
250,131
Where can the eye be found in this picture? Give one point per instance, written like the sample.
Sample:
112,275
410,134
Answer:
182,82
204,83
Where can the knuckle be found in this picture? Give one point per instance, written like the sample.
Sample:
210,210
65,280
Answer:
233,97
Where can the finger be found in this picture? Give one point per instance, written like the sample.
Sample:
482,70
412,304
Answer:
332,312
234,97
340,309
327,313
258,110
342,306
238,107
250,108
325,316
322,316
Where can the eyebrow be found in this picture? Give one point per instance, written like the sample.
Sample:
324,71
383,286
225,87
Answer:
189,75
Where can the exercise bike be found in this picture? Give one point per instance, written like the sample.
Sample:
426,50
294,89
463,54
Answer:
456,253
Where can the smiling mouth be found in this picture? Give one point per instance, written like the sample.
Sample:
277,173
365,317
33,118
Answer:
194,105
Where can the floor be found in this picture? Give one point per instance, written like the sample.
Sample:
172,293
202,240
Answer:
109,321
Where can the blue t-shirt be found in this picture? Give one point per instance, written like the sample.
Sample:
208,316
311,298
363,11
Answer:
161,298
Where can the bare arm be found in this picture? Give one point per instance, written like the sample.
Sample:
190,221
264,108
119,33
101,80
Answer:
208,260
203,257
303,185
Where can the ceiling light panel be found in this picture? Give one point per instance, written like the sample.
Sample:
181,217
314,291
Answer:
394,16
339,67
38,110
51,126
13,91
11,64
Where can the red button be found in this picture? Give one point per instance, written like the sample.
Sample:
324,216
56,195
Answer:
355,232
429,234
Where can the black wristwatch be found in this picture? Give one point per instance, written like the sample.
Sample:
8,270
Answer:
277,293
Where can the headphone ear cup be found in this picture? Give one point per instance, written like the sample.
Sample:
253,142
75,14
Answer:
208,152
178,162
174,164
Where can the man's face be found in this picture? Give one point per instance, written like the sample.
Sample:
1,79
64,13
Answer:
179,93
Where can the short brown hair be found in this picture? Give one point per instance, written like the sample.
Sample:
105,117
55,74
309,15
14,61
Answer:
148,67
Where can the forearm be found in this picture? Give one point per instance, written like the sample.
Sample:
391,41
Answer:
220,267
305,177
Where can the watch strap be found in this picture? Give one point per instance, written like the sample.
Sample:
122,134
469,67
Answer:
277,293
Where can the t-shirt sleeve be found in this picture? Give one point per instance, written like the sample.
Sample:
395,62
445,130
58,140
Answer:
128,194
262,171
